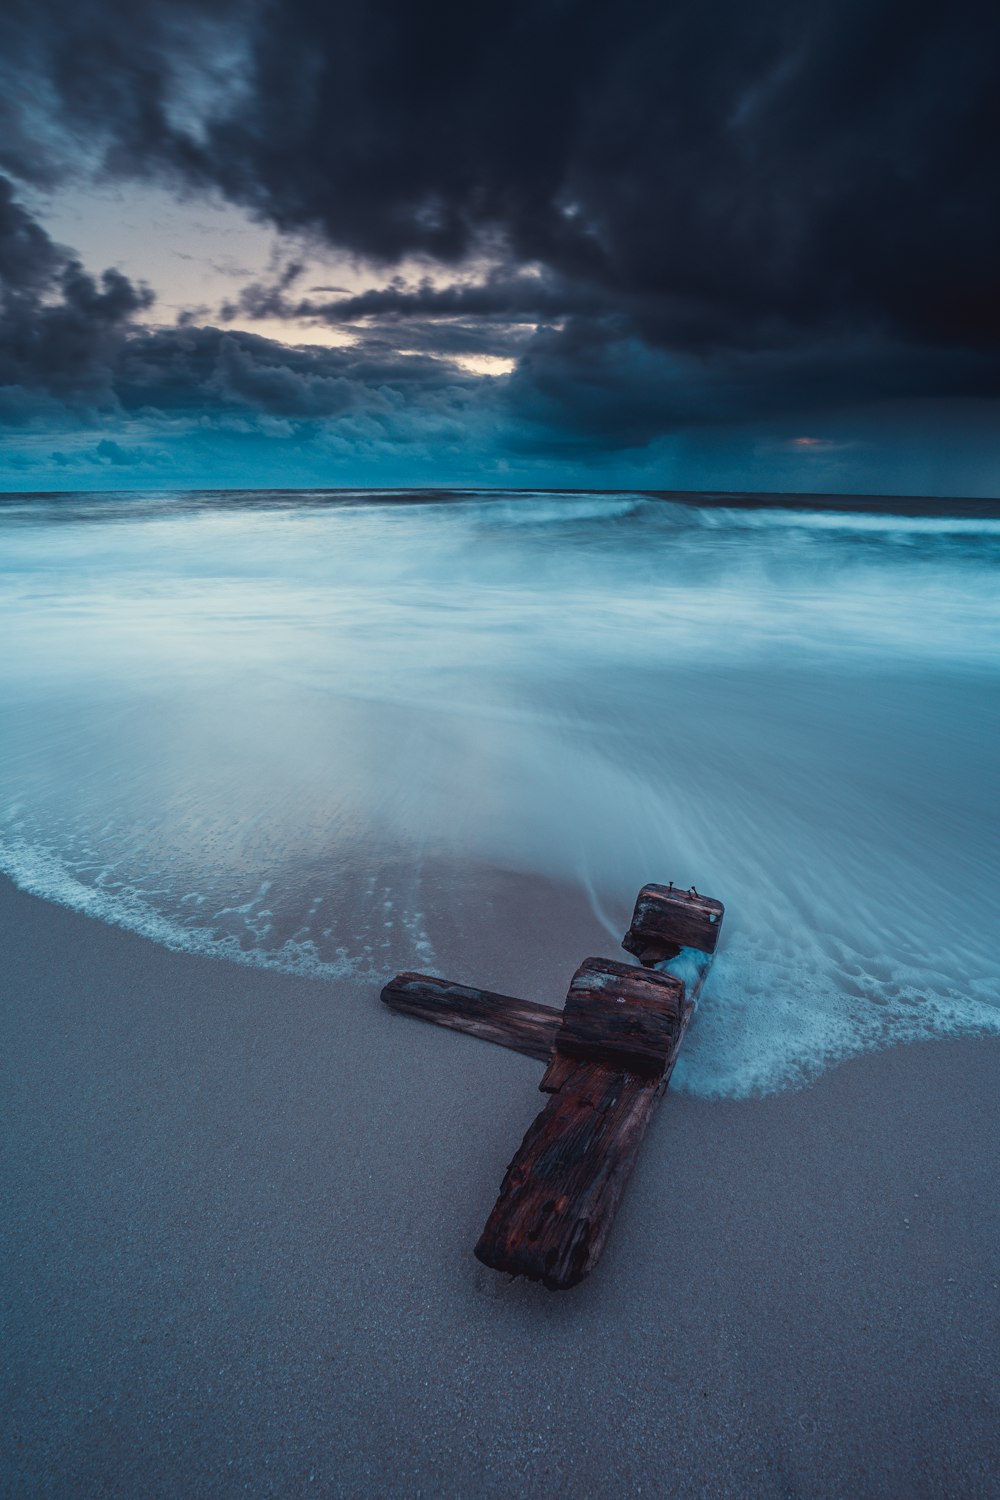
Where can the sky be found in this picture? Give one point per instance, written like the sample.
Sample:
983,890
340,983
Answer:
530,243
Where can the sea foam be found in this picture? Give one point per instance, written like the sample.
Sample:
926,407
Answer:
275,727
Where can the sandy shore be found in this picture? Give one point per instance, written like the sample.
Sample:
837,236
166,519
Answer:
239,1212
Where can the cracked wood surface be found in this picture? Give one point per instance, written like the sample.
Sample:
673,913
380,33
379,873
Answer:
609,1053
558,1198
521,1025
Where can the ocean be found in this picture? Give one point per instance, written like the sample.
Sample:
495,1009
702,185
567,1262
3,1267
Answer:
305,730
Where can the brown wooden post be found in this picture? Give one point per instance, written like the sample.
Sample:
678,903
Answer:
621,1028
609,1055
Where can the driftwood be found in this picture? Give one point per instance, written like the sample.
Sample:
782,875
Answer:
522,1025
624,1018
620,1028
558,1199
666,920
610,1052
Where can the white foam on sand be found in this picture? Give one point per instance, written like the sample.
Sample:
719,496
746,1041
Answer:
770,1022
42,874
252,729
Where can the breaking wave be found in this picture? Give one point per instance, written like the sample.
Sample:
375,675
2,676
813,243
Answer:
289,729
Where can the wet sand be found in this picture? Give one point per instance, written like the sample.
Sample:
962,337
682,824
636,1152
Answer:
239,1211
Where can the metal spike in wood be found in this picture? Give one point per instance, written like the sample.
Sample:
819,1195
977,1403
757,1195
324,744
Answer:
609,1053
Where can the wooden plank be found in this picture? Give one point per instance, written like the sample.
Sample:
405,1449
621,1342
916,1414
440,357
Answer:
621,1016
560,1193
522,1025
666,920
558,1072
610,1055
687,1012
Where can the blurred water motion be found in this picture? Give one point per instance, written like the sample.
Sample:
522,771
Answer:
272,726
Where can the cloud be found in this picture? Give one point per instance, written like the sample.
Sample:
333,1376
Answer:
75,348
728,174
76,342
107,451
502,296
670,218
594,383
61,330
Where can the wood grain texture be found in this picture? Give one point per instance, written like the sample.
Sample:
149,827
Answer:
621,1016
666,920
522,1025
558,1199
609,1055
687,1011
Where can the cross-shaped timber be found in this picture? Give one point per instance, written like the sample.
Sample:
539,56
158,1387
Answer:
609,1054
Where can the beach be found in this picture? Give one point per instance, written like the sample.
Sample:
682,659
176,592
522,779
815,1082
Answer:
239,1216
534,571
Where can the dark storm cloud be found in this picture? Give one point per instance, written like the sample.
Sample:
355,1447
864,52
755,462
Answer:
601,388
76,343
711,210
210,369
503,296
496,316
61,330
191,369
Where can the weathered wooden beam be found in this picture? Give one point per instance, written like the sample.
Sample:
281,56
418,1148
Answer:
666,920
559,1196
621,1016
610,1054
521,1025
621,1031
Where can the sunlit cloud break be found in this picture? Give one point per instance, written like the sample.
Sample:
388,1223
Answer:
681,262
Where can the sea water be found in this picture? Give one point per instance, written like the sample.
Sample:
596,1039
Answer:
259,724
